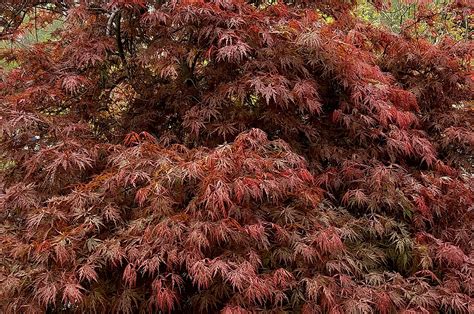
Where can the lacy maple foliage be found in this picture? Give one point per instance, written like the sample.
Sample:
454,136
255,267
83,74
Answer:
235,156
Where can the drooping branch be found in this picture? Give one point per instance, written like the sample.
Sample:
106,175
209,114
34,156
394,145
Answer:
13,13
111,21
118,37
115,18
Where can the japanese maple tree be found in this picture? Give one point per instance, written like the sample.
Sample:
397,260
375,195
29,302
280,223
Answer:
235,156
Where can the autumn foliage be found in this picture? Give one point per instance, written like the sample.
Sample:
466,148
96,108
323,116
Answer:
233,156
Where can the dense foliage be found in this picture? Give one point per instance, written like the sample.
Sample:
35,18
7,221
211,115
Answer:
234,156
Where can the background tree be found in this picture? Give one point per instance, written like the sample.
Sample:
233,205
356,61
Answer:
429,19
233,156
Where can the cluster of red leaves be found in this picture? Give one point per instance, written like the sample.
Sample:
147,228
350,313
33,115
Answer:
346,185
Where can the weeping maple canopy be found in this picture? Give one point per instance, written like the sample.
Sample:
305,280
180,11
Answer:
233,156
